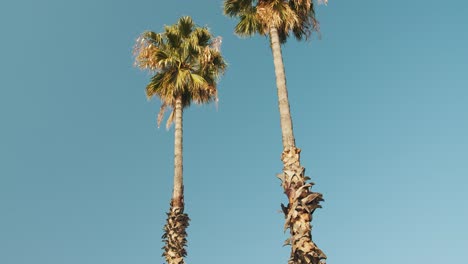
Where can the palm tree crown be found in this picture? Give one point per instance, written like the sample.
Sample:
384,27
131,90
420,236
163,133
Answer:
257,16
186,61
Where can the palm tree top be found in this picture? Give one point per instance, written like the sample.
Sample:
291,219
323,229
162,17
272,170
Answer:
295,17
186,62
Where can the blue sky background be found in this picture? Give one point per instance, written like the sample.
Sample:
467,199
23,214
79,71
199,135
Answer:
379,107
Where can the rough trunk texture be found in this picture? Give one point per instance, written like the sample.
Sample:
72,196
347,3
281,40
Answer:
302,202
175,235
298,212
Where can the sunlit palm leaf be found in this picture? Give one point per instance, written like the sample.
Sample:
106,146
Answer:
249,24
235,8
185,26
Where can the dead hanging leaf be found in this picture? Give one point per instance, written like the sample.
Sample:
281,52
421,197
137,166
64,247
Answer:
170,120
162,110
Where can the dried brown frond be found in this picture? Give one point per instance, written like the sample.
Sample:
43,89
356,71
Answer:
206,55
162,110
216,43
276,14
144,52
170,120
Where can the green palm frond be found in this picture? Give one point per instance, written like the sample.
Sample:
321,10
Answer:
185,26
203,36
182,80
155,38
154,85
165,59
249,24
162,85
173,37
234,8
197,82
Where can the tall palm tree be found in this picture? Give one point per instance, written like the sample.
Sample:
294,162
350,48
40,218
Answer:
186,63
278,19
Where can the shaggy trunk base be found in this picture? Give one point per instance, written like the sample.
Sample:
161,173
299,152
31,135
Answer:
298,213
175,235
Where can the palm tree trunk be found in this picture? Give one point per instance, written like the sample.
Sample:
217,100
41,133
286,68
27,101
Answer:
175,235
178,192
302,202
285,114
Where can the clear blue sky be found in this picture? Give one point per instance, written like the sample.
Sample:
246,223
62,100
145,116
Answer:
379,107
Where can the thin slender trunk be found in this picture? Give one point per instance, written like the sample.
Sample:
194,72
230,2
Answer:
301,201
283,102
175,235
178,192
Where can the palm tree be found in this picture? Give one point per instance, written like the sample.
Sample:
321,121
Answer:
278,19
186,63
